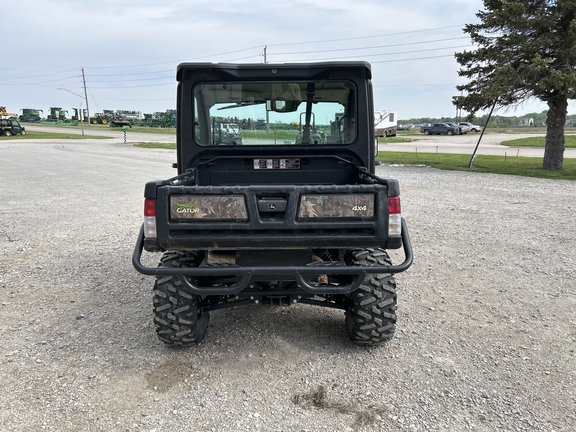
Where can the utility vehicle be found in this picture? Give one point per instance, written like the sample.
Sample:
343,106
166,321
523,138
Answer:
293,215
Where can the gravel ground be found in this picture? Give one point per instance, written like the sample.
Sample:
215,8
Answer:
485,339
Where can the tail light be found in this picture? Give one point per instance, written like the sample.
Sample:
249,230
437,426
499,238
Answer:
394,217
149,218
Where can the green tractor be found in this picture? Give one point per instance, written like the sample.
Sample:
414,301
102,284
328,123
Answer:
77,112
57,114
102,118
30,115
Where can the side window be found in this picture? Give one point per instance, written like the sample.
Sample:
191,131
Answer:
196,123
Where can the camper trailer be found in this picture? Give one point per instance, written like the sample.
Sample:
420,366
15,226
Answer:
385,123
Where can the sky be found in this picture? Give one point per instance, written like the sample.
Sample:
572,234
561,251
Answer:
129,49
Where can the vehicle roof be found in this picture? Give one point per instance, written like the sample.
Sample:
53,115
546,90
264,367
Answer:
278,66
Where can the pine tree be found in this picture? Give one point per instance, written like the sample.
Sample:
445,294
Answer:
525,49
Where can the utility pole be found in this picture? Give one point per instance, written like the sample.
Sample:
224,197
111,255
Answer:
265,55
86,96
482,133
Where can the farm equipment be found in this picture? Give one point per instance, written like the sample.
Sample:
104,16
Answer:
4,113
124,118
131,116
102,118
120,122
160,119
225,133
30,115
77,112
57,114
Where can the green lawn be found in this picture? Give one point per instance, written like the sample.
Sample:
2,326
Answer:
396,139
522,166
168,146
538,142
50,135
94,128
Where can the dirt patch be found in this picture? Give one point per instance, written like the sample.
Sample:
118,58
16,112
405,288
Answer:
364,415
165,376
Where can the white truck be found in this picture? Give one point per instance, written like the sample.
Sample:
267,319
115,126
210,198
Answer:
471,127
385,123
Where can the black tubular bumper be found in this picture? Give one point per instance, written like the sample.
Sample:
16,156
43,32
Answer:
251,273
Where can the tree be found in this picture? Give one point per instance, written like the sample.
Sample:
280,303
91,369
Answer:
525,49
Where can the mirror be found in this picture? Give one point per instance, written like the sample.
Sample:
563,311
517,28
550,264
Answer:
276,105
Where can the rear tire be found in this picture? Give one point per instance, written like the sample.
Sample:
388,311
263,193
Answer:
178,316
371,313
426,132
7,133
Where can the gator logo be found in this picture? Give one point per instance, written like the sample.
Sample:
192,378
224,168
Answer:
187,208
208,207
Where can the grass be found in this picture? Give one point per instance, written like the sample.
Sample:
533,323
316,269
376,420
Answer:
50,135
156,130
168,146
95,127
538,142
396,139
521,166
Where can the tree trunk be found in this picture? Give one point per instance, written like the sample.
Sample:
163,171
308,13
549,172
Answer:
555,121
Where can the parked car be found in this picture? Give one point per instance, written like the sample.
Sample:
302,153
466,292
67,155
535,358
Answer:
464,128
440,128
423,126
461,129
11,127
471,127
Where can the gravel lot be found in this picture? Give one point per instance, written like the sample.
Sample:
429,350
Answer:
485,340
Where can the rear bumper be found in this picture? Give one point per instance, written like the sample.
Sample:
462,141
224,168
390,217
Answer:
251,273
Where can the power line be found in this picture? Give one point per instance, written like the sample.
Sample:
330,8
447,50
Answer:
43,74
135,73
139,100
41,82
393,53
417,85
372,47
175,61
369,37
410,59
243,58
129,87
131,80
396,53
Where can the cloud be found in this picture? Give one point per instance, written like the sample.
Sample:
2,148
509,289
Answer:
130,49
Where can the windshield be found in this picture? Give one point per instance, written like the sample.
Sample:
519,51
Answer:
275,113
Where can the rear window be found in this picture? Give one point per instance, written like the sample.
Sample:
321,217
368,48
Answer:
275,113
